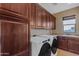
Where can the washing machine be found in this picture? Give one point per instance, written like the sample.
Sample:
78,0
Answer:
44,45
40,46
53,43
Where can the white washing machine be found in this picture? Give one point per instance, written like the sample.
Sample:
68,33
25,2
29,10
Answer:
51,37
53,43
40,46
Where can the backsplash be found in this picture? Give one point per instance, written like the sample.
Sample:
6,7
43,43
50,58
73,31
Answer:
39,32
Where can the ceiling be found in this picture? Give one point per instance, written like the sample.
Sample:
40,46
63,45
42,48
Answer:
58,7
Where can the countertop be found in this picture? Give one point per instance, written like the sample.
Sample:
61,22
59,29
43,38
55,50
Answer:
76,36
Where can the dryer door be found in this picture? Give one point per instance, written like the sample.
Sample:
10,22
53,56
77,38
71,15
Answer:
45,50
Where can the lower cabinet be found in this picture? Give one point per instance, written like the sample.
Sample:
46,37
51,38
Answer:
73,45
62,43
70,44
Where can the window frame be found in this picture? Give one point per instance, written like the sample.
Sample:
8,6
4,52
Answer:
68,18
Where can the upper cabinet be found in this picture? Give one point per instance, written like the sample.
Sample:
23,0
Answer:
52,22
32,15
15,7
44,19
38,16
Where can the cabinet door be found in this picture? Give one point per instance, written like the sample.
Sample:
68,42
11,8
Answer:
15,7
52,22
48,21
20,39
73,45
38,17
14,38
33,15
44,21
6,38
62,43
0,4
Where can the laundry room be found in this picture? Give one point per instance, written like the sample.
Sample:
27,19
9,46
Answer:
59,31
39,29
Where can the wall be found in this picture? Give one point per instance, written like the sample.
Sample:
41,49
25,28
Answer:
39,32
59,25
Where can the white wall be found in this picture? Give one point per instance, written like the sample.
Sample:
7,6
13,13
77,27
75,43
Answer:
39,32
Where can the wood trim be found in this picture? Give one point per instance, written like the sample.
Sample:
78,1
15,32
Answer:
29,45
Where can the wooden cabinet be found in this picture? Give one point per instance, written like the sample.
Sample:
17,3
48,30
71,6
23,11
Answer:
32,15
16,19
14,38
20,38
48,21
62,43
44,20
52,22
14,34
15,7
35,13
6,38
70,44
38,17
73,45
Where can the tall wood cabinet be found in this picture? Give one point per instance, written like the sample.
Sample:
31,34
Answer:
14,34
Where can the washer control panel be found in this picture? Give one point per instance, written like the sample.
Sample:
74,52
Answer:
45,41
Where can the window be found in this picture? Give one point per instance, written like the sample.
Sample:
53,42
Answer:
69,23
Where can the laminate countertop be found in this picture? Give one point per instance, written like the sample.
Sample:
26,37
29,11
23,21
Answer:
75,36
